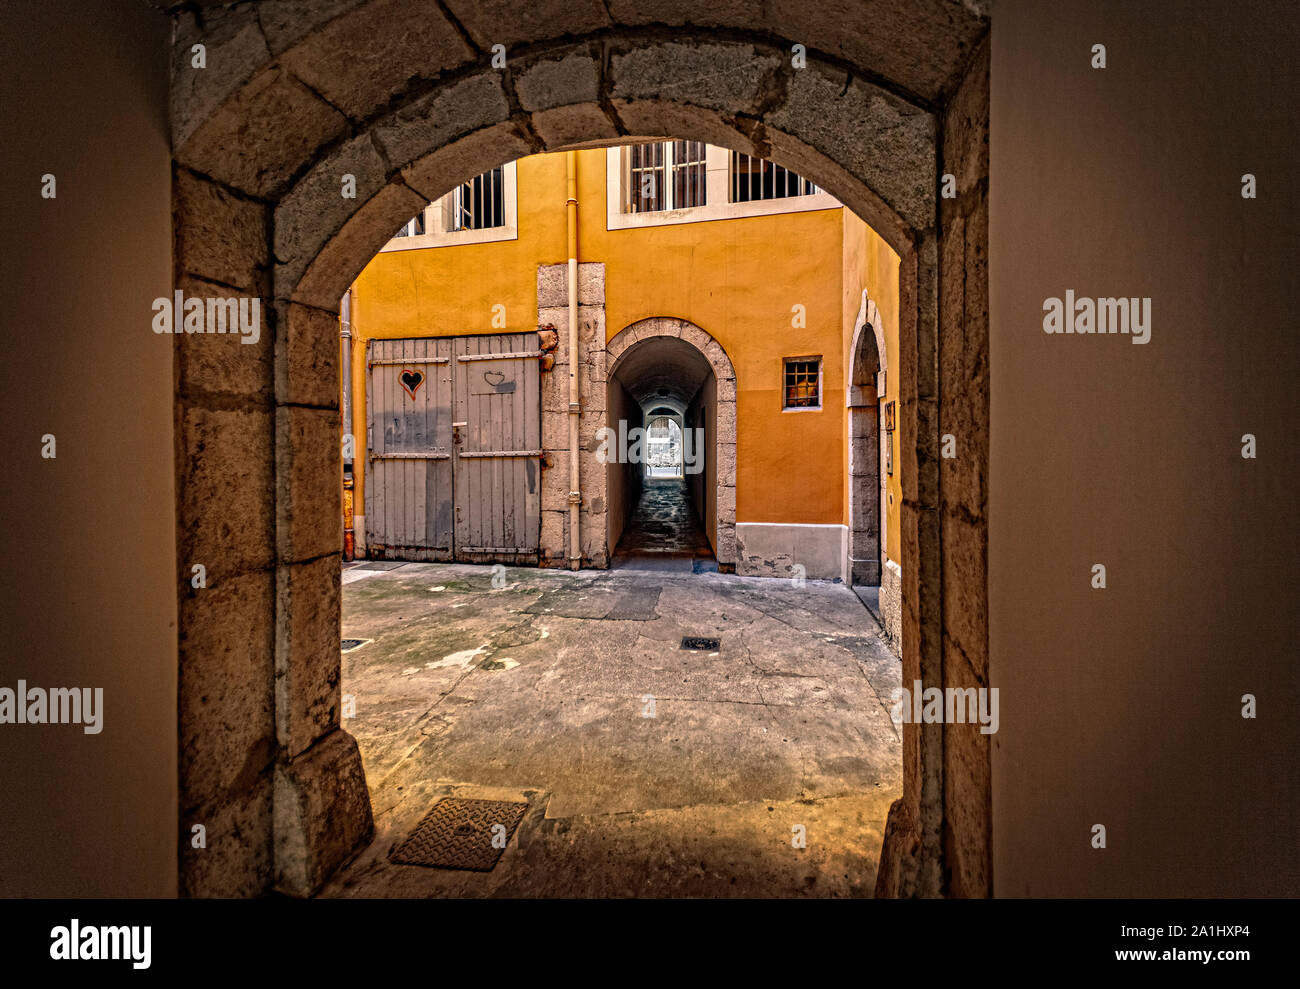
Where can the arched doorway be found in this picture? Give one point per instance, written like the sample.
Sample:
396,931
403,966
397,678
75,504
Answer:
866,451
669,363
664,454
317,133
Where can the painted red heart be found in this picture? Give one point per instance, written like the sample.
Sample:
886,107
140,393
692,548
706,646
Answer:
411,381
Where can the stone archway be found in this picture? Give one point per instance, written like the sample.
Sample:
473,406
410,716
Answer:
723,416
304,106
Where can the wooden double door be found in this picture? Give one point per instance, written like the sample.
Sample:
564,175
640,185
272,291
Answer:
454,448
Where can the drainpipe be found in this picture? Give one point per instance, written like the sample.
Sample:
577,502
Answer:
345,338
575,409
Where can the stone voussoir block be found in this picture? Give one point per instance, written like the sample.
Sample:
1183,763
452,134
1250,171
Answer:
445,114
552,82
362,60
880,139
725,77
436,173
256,140
316,207
488,24
286,22
328,275
233,50
576,124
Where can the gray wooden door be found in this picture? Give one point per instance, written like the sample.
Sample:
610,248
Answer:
498,449
409,486
454,449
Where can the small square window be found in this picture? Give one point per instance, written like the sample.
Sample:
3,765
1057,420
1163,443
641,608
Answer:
803,383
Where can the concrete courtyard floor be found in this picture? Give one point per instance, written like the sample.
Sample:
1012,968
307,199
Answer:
541,689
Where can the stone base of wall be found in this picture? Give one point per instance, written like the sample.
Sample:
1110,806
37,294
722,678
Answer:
322,814
765,549
898,855
891,605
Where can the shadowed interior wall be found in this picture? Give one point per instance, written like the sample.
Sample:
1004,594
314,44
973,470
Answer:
88,587
622,480
1122,706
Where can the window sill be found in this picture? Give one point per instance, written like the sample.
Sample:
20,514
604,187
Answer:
491,235
723,211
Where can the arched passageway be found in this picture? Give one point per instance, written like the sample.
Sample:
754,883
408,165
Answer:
396,103
867,452
672,365
664,528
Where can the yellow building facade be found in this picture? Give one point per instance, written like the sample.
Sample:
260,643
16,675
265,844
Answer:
768,279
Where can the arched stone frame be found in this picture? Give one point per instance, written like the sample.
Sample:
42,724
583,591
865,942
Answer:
867,506
724,415
869,320
403,99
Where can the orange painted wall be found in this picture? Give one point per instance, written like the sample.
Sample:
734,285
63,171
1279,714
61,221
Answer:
737,278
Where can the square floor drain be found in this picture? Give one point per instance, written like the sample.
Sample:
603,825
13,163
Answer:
459,834
699,642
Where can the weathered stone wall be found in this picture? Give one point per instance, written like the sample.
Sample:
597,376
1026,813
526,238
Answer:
553,312
937,838
964,414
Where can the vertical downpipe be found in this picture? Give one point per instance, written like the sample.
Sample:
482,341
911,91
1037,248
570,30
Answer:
349,482
575,409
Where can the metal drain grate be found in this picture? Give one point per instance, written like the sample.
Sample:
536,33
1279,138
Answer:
459,833
350,644
699,642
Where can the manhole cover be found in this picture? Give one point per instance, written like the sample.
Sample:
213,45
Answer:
350,644
699,642
461,834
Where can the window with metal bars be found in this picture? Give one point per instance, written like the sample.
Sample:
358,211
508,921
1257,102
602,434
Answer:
755,179
666,175
803,383
479,203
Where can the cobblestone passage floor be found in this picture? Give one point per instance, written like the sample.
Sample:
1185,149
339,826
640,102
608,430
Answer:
663,530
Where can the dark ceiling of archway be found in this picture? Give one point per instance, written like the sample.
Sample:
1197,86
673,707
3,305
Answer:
662,371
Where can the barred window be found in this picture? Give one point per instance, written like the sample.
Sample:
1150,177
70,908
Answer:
479,203
755,179
665,175
803,383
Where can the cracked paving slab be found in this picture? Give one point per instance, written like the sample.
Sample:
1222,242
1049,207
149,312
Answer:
659,762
